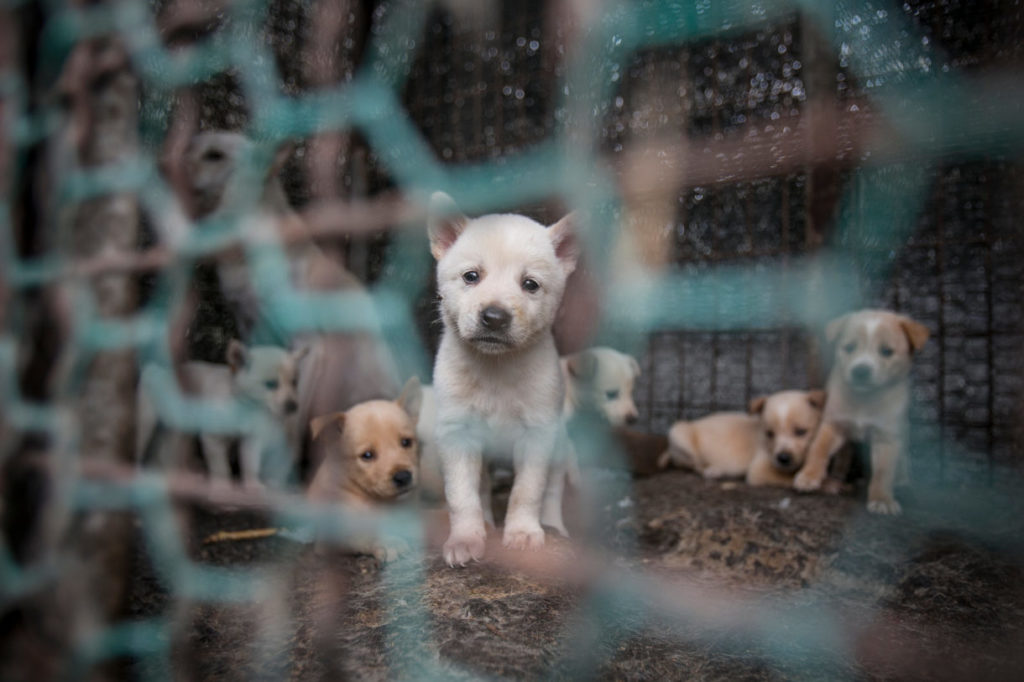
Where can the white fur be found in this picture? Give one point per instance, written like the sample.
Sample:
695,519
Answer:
245,378
497,389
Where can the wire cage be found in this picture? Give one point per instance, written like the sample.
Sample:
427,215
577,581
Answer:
748,171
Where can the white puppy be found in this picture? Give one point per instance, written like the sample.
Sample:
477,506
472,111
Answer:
868,396
341,369
601,379
262,375
497,381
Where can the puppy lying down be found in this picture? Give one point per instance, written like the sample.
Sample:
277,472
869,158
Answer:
766,445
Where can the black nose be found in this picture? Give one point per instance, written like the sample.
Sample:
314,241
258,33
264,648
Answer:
495,318
784,459
402,478
860,372
290,406
631,419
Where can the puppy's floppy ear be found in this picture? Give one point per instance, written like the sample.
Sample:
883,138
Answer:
817,398
301,352
634,366
445,222
237,355
916,332
411,397
834,328
582,366
756,405
563,236
318,424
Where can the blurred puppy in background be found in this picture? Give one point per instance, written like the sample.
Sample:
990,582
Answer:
372,459
868,398
266,376
765,445
601,379
340,369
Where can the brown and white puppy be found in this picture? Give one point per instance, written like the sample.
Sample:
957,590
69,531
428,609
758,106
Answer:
341,369
868,398
372,459
497,381
765,445
266,376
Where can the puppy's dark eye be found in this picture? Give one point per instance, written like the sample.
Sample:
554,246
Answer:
213,155
367,456
611,395
471,277
799,433
885,351
406,442
850,347
770,433
530,285
271,384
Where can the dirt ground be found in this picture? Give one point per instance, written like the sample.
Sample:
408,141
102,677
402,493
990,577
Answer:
681,578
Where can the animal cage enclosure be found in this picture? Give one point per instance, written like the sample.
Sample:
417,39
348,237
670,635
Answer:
748,172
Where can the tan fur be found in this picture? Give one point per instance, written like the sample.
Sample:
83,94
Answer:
868,398
765,445
372,457
498,386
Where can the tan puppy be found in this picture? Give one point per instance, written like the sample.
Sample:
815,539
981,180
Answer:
765,445
372,458
497,381
601,379
868,398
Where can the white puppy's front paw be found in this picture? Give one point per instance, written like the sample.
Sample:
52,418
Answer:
465,542
807,482
523,535
885,506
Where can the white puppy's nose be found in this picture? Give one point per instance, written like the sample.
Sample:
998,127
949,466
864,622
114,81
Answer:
494,318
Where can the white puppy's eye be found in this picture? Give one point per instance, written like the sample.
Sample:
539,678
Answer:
406,442
885,351
530,285
799,432
850,347
611,395
770,433
367,456
271,384
471,277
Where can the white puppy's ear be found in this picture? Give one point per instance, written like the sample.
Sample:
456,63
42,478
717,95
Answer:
411,397
318,424
300,352
634,366
582,366
916,332
563,236
756,405
445,222
835,327
817,399
237,355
